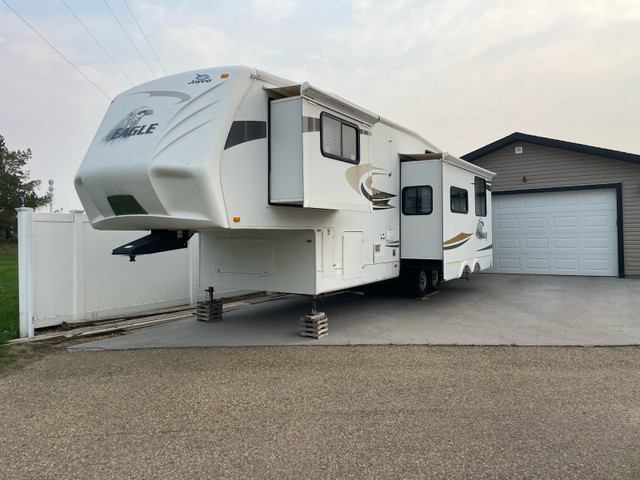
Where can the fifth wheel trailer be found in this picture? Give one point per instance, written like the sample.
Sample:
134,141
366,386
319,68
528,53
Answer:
291,188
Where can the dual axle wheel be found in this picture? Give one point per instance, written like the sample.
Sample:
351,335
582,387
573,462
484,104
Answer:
424,281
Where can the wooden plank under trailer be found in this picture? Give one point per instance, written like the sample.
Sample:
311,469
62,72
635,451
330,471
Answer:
209,311
314,325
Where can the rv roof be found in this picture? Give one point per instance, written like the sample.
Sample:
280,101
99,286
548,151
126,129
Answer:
331,100
447,158
284,92
414,157
325,98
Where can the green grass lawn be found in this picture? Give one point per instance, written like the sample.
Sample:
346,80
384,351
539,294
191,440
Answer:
9,312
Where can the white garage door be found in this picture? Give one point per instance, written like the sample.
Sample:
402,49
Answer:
557,233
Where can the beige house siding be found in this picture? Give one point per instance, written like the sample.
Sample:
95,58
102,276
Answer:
547,167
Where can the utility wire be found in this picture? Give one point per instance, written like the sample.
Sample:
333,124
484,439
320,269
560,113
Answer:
97,42
131,41
57,51
145,37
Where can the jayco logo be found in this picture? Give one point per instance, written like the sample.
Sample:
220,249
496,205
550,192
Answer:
200,78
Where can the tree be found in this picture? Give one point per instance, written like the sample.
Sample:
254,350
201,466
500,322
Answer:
15,184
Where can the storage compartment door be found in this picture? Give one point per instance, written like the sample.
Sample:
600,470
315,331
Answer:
352,254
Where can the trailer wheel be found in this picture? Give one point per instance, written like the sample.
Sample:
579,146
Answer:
424,281
434,280
419,283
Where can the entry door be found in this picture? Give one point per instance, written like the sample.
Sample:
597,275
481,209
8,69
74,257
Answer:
556,233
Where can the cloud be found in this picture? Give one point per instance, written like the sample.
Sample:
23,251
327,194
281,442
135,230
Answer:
275,10
461,73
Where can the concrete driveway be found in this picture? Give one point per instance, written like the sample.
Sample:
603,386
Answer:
491,309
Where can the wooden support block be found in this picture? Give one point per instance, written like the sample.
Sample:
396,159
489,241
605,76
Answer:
209,311
314,325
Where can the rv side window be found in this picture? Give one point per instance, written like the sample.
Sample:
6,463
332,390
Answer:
417,200
459,200
339,139
480,187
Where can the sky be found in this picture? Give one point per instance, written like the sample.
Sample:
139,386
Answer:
461,73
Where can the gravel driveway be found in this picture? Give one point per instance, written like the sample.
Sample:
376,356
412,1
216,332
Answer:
325,412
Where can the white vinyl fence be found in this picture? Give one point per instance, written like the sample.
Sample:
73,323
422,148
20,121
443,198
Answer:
67,272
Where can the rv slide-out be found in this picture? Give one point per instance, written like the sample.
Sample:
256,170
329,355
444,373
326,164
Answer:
291,188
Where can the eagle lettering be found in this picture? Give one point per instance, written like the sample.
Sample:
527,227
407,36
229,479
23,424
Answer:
128,126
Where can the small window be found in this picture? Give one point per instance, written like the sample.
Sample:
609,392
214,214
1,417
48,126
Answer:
339,139
417,200
459,200
480,188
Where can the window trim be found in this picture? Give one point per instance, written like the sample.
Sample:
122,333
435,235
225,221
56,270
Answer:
480,194
404,212
342,122
466,197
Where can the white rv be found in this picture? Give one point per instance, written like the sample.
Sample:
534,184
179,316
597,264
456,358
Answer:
292,189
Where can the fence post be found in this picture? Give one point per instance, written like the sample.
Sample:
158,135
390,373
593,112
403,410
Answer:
78,264
25,270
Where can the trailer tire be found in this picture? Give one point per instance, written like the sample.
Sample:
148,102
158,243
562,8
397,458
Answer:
420,283
424,281
434,280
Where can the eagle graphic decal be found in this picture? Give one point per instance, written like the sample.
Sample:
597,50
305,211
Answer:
128,126
360,178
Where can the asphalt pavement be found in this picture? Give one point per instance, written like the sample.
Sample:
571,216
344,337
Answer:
490,309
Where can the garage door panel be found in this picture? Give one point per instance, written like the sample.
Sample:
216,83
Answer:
536,264
507,243
536,243
508,265
566,243
568,266
597,221
565,222
602,197
565,201
562,233
594,243
504,203
505,224
535,223
598,265
536,202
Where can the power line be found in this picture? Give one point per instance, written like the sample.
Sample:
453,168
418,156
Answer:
57,51
130,41
97,42
145,37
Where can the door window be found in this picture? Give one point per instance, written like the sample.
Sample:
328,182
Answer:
417,200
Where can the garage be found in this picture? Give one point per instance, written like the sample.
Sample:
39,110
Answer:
563,208
570,232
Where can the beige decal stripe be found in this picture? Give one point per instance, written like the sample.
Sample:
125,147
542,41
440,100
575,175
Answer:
457,238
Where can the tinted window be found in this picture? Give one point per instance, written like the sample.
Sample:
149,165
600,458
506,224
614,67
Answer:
480,187
331,137
459,200
349,142
339,139
417,200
